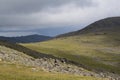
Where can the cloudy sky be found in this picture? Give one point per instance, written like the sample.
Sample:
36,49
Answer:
52,17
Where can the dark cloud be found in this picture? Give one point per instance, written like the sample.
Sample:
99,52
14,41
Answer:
35,12
31,6
23,12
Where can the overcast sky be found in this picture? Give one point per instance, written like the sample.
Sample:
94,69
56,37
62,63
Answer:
52,17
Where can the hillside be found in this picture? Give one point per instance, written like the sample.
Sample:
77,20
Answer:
104,26
96,47
26,64
26,39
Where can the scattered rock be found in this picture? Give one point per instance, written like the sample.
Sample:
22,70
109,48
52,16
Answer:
0,60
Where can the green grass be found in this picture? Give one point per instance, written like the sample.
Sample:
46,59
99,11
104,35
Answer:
10,71
95,52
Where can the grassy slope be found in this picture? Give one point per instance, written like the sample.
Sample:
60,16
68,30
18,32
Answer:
10,71
99,52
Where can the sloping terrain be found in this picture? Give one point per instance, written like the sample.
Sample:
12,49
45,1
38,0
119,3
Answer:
38,66
96,47
26,39
108,25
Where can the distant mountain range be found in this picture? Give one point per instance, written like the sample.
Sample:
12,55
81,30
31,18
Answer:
26,39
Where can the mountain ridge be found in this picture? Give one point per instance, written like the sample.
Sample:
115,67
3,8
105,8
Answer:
26,39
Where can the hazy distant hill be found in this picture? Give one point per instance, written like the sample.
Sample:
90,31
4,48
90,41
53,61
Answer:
26,39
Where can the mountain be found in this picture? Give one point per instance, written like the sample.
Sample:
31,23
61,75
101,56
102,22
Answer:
26,39
95,48
103,26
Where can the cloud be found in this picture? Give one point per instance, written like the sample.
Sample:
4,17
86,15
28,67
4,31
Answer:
31,6
38,14
10,34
